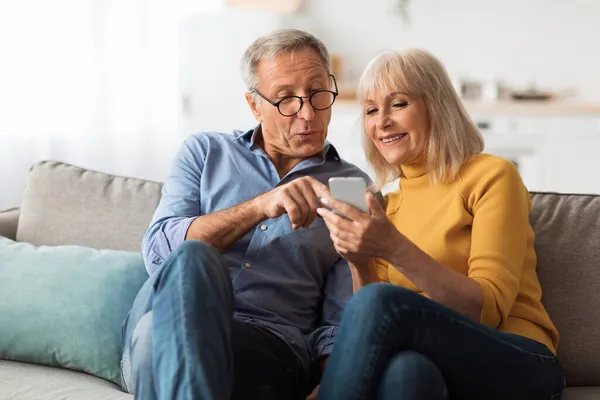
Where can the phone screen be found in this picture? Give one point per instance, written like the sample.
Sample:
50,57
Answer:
350,190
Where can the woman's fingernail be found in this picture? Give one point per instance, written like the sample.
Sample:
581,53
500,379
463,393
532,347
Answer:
324,200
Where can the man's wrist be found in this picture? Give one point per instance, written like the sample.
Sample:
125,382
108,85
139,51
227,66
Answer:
256,206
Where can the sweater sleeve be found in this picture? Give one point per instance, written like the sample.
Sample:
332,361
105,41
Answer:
500,206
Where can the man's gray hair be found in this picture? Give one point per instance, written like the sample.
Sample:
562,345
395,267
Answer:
273,45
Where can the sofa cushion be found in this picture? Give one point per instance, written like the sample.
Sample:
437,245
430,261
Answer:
567,243
64,305
21,381
581,393
8,223
63,204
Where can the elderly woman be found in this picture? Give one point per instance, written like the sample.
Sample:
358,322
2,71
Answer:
458,314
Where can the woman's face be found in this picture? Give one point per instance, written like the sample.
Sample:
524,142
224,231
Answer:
398,125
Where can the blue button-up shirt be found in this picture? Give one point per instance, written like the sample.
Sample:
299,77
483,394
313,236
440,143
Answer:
291,282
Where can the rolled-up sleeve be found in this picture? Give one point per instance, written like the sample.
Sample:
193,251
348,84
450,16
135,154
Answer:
178,206
336,293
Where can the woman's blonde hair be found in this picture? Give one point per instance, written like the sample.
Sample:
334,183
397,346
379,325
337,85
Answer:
453,137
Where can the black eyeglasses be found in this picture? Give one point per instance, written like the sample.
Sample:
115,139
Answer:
291,105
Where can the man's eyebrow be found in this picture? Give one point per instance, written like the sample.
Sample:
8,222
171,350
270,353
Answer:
279,88
312,79
317,77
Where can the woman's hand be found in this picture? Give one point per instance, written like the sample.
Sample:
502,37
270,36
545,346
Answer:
374,236
361,237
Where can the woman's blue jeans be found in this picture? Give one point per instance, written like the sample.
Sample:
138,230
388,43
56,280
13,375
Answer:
396,344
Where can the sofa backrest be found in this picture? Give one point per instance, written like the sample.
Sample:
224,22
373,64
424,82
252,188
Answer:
567,243
64,204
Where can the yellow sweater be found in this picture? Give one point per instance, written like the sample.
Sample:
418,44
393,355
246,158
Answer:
477,225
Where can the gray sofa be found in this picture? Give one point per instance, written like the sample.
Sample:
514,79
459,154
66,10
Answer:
64,204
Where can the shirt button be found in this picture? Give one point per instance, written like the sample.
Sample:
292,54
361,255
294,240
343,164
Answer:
263,228
247,265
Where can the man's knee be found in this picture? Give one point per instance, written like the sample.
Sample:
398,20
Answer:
196,249
197,261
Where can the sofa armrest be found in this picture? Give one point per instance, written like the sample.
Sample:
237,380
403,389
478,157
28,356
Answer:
8,223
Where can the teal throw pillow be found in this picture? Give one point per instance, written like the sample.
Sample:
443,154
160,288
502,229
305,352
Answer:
64,306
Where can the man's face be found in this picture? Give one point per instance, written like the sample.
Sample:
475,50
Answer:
300,73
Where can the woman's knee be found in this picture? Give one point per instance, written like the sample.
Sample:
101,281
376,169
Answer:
378,296
411,375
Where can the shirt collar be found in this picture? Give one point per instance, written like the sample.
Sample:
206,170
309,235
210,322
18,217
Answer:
329,152
247,137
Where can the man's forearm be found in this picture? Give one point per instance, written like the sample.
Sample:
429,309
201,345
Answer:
223,228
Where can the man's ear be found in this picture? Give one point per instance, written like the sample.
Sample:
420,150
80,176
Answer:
250,99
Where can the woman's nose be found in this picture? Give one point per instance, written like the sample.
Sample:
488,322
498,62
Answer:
383,120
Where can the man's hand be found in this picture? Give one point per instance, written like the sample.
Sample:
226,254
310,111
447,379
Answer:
298,199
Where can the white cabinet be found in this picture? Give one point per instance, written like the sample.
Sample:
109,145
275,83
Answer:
572,163
556,153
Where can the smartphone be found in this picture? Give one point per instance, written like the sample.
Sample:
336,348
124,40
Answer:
350,190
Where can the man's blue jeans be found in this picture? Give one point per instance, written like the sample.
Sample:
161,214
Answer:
180,340
396,344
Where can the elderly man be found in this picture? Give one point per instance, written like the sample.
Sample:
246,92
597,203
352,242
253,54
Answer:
246,289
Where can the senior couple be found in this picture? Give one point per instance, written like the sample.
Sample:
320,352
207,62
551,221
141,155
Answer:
258,290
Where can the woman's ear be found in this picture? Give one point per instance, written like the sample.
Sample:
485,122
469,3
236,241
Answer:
251,100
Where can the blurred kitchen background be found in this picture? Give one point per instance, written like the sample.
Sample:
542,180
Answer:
117,85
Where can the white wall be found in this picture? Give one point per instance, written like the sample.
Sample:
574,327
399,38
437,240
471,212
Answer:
89,82
101,91
555,44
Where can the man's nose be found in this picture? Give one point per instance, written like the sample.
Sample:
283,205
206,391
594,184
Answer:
307,111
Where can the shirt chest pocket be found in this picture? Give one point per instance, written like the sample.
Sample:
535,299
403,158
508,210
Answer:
317,228
313,241
304,242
